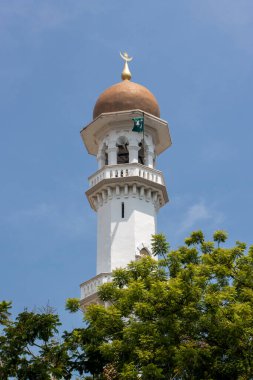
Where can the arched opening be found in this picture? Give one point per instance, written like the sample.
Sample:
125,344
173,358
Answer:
123,153
141,153
144,252
154,160
104,155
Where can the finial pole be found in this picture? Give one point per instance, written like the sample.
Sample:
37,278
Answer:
126,74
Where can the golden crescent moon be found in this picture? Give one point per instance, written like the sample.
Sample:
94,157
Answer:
125,57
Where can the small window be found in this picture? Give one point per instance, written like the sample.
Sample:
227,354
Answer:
122,210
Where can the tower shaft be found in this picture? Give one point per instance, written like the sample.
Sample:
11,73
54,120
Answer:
126,191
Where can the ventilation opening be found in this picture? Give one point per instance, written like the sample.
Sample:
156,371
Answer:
122,210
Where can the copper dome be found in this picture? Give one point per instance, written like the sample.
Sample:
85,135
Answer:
125,96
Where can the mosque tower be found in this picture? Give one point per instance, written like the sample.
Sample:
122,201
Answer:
126,135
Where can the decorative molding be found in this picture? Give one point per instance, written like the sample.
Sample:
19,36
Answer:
144,190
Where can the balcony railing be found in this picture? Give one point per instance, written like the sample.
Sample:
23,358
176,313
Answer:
90,287
126,170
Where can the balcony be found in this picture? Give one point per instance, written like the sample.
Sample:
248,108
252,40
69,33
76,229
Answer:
126,170
89,288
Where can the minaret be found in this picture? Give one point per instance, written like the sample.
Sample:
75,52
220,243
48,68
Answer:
126,191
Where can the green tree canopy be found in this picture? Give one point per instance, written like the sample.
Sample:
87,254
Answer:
186,315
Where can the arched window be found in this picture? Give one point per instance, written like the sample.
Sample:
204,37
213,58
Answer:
104,155
154,160
106,158
141,154
144,252
122,154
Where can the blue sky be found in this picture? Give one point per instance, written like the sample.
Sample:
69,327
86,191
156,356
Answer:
56,58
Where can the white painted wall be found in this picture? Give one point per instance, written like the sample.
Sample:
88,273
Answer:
119,239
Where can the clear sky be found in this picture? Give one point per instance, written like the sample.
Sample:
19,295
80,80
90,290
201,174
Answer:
56,58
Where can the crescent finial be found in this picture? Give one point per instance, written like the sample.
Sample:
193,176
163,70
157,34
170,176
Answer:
126,74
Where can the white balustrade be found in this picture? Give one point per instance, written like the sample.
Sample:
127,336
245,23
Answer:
90,287
126,170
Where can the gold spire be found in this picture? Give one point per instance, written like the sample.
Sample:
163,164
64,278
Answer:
126,72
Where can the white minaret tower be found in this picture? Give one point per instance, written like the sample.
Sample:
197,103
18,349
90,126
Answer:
126,191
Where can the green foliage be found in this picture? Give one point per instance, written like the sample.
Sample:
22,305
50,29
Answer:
72,305
186,316
220,237
197,237
4,312
29,348
160,247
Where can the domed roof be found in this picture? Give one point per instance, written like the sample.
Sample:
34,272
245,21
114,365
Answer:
125,96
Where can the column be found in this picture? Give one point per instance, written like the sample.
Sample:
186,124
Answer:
133,154
149,156
101,161
112,153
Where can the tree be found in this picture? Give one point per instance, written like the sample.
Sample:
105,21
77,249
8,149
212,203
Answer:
32,349
186,315
28,346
